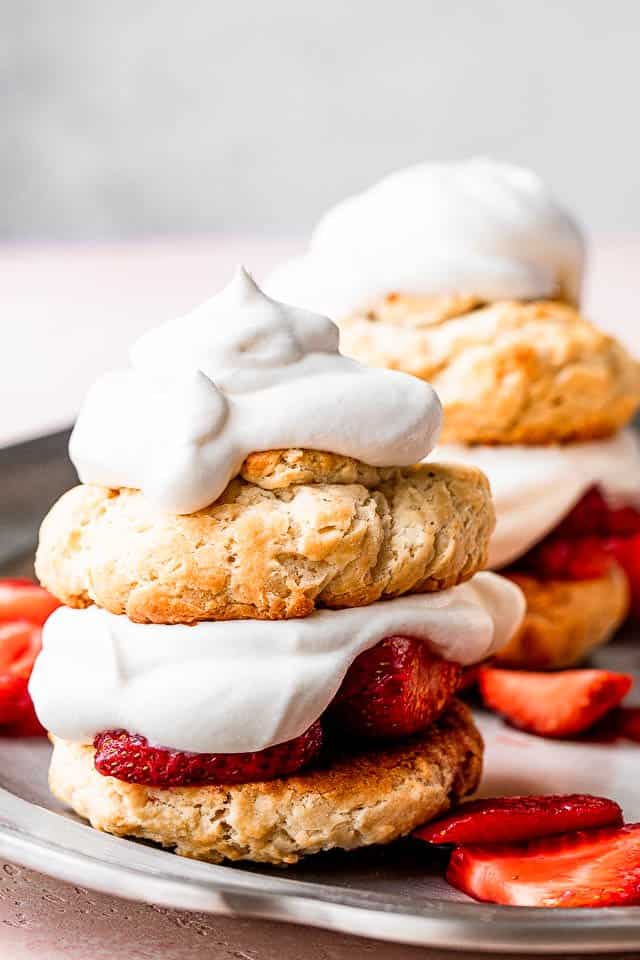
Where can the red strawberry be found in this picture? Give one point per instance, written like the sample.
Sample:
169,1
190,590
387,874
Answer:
20,599
514,819
553,704
14,699
470,676
592,514
624,722
626,551
129,757
593,868
588,516
561,558
394,689
19,645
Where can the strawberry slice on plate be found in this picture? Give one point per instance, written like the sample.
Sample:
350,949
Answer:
393,690
21,599
24,607
516,819
559,704
593,868
129,757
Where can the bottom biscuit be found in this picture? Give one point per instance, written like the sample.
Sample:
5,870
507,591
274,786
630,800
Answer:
565,619
350,800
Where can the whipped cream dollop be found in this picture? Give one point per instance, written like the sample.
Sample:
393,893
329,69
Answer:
242,373
242,685
481,228
534,488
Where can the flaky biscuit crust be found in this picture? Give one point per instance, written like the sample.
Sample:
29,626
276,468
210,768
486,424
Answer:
566,619
349,801
274,548
509,372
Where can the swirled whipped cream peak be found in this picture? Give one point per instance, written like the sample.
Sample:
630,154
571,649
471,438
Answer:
240,374
478,228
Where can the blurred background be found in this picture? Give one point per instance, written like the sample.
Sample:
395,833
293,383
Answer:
151,117
149,145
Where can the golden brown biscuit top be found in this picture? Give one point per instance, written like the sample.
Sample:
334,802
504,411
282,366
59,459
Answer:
509,372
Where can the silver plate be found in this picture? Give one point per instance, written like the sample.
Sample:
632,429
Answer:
396,893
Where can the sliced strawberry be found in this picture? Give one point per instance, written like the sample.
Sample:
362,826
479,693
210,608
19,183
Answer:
553,704
622,723
564,558
20,599
592,514
394,689
515,819
14,698
19,645
589,515
626,551
470,676
594,868
129,757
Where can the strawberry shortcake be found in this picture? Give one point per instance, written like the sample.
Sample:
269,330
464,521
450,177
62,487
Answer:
468,276
268,606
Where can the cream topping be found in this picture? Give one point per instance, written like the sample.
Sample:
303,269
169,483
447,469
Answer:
242,373
243,685
480,227
535,487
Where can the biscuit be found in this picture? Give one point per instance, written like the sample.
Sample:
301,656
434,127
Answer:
351,800
272,551
510,372
565,619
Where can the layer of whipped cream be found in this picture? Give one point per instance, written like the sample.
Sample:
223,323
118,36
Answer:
242,685
480,227
534,488
242,373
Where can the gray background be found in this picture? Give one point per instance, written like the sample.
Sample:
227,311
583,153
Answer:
135,117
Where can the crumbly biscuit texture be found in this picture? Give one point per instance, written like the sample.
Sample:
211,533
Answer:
566,619
509,372
349,801
270,551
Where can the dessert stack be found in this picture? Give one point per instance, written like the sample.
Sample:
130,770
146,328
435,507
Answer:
268,605
468,276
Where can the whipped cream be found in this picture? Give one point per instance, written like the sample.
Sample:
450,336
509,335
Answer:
243,685
534,488
481,228
242,373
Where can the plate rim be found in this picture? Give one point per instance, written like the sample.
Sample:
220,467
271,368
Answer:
27,837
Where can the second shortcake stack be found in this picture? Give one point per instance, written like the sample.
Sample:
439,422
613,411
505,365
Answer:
468,275
266,614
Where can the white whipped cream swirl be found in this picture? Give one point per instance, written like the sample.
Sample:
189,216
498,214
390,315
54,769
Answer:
534,488
483,228
243,685
242,373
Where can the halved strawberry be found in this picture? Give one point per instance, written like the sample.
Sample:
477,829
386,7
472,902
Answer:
594,868
21,599
129,757
515,819
394,689
553,704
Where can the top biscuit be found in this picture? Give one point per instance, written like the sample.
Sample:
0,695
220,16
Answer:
295,531
509,372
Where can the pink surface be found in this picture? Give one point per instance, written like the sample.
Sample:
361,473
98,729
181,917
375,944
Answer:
70,312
